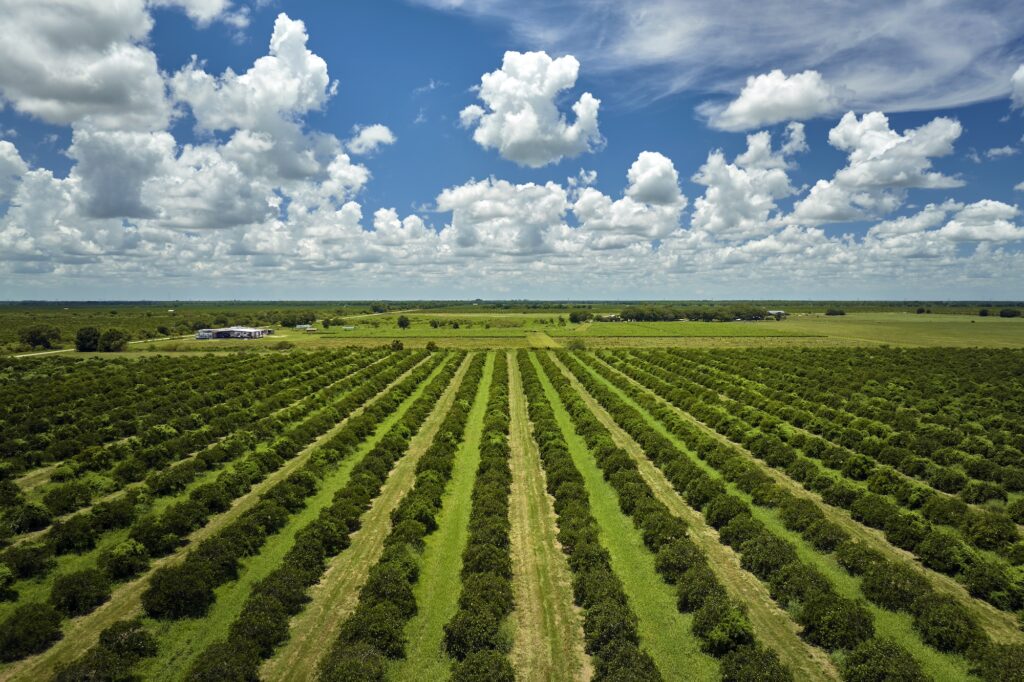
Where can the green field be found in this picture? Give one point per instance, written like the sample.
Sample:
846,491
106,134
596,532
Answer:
153,328
680,498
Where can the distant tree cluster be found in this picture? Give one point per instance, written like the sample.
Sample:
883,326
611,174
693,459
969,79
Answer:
577,316
90,339
39,336
835,311
693,313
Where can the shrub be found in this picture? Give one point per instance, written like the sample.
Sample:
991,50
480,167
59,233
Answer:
87,339
1000,663
798,513
77,534
753,663
80,592
724,509
764,554
31,628
739,530
948,511
625,662
941,550
486,590
796,582
608,621
893,586
674,558
124,560
7,579
113,341
990,581
857,558
29,559
128,640
178,592
353,662
263,622
988,530
67,497
39,336
225,662
721,626
470,631
825,535
487,665
833,622
697,585
379,625
881,660
945,624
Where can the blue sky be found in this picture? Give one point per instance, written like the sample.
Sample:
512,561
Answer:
138,172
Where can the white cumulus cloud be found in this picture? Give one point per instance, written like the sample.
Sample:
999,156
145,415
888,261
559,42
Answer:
882,165
12,167
522,120
984,221
288,82
1017,87
774,97
368,138
740,199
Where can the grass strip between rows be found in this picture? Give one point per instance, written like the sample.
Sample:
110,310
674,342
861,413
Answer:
374,632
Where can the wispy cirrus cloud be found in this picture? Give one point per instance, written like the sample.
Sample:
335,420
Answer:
891,56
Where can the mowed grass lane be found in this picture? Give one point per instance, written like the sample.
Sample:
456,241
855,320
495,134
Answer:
181,641
664,633
774,627
895,626
334,598
440,583
547,643
125,602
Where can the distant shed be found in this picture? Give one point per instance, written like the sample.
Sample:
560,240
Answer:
234,333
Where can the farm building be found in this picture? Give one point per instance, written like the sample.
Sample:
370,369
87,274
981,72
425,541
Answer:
234,333
777,313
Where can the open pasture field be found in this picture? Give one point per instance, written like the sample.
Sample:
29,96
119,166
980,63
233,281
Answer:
762,513
478,327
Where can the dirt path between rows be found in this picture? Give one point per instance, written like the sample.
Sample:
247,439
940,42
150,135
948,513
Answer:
313,631
774,627
548,642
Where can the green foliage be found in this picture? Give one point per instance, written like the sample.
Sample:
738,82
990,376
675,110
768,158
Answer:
881,660
87,339
78,593
834,622
31,628
39,336
113,341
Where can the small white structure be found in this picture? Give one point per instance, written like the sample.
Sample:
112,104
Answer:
777,312
234,333
304,327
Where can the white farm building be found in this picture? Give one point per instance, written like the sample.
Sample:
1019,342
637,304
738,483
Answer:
234,333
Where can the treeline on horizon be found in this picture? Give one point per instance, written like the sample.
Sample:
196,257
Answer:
693,313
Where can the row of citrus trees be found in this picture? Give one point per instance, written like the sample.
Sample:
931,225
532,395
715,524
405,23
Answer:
830,621
33,626
942,405
941,530
114,468
54,408
931,453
